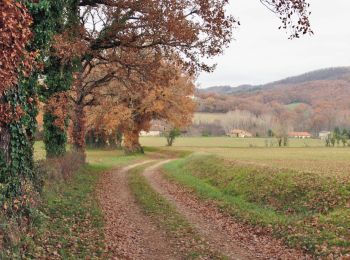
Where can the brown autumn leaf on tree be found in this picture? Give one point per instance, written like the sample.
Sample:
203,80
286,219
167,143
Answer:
67,46
293,14
125,65
58,106
15,34
133,104
170,101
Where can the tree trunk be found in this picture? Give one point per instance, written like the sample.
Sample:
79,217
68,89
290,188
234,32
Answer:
119,139
5,138
131,140
118,143
16,140
170,141
79,128
279,141
55,138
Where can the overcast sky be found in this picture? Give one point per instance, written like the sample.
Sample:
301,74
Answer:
261,53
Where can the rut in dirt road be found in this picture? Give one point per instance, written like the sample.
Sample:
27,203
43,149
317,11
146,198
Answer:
220,230
129,233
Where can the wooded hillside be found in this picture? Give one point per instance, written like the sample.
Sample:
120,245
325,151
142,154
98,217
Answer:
322,74
313,101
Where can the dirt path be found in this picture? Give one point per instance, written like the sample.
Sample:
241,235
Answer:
129,234
220,230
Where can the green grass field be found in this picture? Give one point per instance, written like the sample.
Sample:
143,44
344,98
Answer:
293,105
105,159
305,155
228,142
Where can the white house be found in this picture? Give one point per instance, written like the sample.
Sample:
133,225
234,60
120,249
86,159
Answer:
157,128
324,134
150,133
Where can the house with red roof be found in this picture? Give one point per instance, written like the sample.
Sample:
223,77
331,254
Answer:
300,135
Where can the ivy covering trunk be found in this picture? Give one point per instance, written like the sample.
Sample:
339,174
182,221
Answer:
18,179
59,79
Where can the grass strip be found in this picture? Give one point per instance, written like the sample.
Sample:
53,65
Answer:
243,209
166,217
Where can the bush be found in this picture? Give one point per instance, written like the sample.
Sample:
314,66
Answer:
16,220
61,168
171,135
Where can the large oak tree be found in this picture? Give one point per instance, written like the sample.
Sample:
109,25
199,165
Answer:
134,103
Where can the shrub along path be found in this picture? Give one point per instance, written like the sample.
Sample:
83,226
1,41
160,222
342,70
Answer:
128,233
221,231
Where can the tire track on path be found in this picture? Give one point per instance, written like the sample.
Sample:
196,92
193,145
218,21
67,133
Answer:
129,234
220,230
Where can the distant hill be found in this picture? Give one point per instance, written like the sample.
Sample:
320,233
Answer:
323,74
217,89
222,90
314,101
337,73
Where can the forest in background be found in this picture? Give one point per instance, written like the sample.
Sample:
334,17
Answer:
313,102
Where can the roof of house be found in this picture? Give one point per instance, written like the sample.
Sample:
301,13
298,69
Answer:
299,134
239,131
